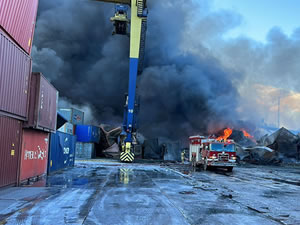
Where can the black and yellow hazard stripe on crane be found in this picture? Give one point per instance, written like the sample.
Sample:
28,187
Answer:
127,155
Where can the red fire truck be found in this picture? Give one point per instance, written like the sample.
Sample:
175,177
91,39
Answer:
212,153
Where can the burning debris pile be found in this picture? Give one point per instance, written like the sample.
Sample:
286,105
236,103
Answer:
281,146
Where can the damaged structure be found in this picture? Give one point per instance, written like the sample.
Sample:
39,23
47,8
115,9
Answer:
282,146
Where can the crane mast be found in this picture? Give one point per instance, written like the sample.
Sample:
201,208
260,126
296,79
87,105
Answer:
138,27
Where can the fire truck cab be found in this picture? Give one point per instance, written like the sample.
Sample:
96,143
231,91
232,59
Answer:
212,153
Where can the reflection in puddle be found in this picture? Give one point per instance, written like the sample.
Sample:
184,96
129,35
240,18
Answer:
125,175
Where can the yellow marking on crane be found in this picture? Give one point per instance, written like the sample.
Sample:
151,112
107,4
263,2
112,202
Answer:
135,31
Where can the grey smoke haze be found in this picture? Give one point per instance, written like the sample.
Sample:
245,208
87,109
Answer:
185,89
270,70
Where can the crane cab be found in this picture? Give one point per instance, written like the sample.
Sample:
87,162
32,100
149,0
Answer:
120,19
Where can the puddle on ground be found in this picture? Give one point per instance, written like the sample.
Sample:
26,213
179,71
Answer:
69,179
187,193
220,211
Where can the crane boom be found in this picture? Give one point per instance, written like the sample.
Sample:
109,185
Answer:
138,27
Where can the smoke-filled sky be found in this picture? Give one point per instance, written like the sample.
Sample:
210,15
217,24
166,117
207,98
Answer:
194,80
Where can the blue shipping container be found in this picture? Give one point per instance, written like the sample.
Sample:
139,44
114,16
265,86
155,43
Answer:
62,151
87,134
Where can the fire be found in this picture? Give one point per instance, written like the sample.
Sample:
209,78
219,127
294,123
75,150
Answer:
227,133
246,134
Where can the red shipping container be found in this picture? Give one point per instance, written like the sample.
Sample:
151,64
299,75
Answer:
15,72
34,154
10,137
18,19
42,104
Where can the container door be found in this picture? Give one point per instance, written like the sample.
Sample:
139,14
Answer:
10,131
62,151
34,154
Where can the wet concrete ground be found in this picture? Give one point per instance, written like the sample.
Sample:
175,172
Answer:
114,193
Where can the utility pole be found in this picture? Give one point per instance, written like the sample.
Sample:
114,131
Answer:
278,111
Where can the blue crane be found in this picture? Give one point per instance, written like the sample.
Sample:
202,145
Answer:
136,28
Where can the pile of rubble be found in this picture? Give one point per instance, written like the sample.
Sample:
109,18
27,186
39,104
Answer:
280,147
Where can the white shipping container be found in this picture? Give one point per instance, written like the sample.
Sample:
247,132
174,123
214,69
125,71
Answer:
73,116
67,128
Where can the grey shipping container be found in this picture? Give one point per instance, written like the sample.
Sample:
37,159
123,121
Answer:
85,150
10,138
73,116
42,104
62,151
15,72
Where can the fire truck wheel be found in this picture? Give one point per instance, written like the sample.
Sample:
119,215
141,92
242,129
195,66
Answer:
205,165
229,169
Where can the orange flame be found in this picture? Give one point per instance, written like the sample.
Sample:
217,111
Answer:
246,134
227,133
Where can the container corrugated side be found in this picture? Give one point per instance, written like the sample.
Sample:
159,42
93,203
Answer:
15,72
42,104
62,151
85,150
10,136
34,154
87,133
18,19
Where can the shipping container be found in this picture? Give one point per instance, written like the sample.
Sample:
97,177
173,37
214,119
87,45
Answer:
18,19
42,104
15,71
62,151
73,116
87,134
85,150
34,154
68,128
10,137
60,120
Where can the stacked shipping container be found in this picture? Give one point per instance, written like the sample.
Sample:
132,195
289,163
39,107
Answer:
42,104
87,136
15,71
62,151
10,130
34,154
26,100
74,117
63,142
17,22
18,18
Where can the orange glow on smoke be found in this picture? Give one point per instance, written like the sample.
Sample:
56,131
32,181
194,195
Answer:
246,134
227,133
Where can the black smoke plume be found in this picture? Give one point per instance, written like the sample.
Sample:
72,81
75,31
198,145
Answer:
182,92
